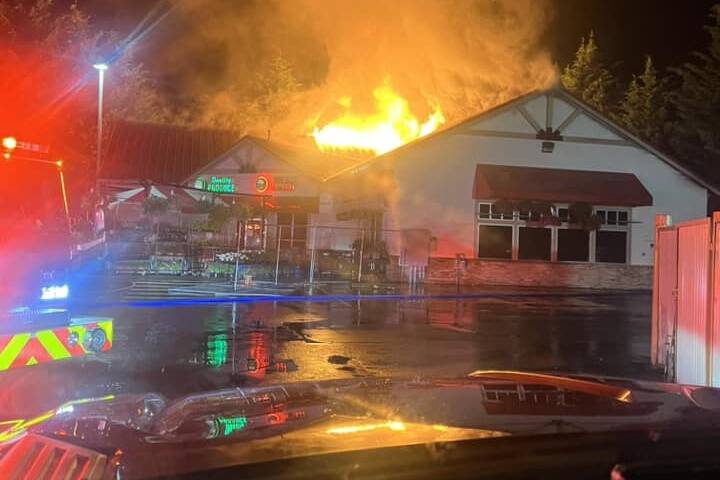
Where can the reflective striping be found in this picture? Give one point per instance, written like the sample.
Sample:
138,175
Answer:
74,344
31,354
12,350
25,349
52,344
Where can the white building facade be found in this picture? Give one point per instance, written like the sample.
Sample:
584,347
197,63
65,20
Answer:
475,186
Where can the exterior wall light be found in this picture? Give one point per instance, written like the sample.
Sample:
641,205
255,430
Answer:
548,147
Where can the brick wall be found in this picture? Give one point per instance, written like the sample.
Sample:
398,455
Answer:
542,274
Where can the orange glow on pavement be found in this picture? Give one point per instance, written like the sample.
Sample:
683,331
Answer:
395,426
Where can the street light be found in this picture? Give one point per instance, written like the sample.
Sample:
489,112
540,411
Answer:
100,67
8,144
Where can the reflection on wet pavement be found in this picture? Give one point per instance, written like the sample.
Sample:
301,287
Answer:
178,350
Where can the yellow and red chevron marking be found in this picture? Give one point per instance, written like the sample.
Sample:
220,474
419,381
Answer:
42,346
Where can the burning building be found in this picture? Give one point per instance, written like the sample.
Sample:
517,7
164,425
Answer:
541,190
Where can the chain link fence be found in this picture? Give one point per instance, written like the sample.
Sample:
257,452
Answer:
254,251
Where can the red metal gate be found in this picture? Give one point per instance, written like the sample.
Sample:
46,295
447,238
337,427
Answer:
714,299
693,272
685,305
664,339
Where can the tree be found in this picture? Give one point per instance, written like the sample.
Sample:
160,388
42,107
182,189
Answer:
643,108
586,76
696,102
48,86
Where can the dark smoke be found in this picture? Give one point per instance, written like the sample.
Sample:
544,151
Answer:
465,55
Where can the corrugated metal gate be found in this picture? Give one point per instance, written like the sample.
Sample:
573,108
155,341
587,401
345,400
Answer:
664,341
684,303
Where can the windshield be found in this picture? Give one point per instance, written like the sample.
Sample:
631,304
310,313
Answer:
243,232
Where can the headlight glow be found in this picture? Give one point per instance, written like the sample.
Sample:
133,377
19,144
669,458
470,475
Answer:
55,292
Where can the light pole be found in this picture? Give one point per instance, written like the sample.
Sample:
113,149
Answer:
100,67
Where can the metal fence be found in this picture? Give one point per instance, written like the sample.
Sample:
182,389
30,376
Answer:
282,254
685,335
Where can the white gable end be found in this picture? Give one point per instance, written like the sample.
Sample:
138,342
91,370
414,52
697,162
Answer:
247,154
507,121
545,112
584,126
561,110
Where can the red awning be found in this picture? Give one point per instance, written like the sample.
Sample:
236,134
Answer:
556,185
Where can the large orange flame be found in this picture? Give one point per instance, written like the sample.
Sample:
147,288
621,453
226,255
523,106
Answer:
391,126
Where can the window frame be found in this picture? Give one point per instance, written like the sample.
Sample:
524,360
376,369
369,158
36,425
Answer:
516,222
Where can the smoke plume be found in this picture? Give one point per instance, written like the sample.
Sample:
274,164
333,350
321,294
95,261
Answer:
465,55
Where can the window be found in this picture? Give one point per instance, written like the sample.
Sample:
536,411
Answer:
293,228
613,217
486,211
573,245
483,210
494,241
534,243
611,246
564,214
254,234
522,235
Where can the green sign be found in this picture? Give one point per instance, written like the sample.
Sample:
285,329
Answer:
216,184
228,425
221,185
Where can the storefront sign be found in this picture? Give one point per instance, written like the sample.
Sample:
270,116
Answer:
266,183
262,183
216,184
284,184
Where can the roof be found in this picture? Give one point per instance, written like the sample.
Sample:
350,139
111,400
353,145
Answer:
161,153
560,93
172,154
308,160
559,185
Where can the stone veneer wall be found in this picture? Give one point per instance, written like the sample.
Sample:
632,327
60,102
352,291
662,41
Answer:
539,274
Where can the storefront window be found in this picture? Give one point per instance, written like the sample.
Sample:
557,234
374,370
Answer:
573,245
611,246
494,242
293,228
534,243
254,234
534,239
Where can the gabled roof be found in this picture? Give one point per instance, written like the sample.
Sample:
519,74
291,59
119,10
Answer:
160,153
171,154
556,92
308,160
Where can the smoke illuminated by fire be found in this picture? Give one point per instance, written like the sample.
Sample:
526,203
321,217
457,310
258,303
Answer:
392,125
447,59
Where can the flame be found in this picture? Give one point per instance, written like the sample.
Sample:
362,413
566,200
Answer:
391,126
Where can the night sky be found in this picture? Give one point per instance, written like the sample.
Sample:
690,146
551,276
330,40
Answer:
626,30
